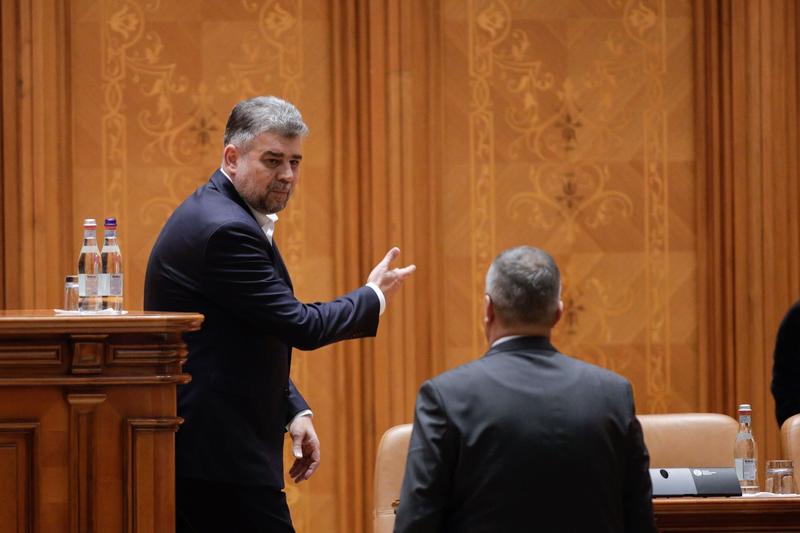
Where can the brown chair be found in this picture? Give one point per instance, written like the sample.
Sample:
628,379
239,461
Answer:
689,439
390,466
673,440
790,440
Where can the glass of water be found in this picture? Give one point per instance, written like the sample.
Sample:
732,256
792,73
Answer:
71,293
780,477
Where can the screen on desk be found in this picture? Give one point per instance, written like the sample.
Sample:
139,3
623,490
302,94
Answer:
695,482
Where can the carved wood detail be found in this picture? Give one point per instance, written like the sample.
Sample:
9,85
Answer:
27,354
17,476
87,353
82,441
145,442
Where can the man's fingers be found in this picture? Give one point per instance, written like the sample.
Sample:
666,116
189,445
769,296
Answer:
405,271
390,256
296,469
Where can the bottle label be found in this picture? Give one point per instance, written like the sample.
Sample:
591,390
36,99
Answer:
745,419
102,284
88,285
114,284
746,469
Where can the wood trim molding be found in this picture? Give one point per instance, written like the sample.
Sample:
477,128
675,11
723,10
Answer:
142,464
20,437
82,439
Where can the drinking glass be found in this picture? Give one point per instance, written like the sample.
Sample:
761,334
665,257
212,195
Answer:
71,293
780,477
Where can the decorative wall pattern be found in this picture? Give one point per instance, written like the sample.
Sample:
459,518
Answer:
572,149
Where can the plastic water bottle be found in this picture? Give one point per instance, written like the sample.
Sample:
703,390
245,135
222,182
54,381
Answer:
89,269
111,258
745,453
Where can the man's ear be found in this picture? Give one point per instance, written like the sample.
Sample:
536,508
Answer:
230,159
559,312
488,309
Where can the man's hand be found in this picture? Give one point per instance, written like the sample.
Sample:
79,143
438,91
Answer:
389,280
305,448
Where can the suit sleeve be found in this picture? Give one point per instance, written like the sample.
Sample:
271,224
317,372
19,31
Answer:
240,276
429,467
638,489
296,402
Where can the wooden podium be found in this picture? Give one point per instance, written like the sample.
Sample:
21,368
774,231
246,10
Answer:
88,421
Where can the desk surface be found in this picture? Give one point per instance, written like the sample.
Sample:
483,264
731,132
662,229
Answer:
745,515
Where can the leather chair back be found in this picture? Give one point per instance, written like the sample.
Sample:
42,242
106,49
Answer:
673,440
689,439
790,440
390,466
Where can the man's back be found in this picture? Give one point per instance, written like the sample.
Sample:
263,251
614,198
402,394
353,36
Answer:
526,439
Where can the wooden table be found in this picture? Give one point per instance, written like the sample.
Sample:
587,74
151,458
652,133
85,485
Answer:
88,420
742,515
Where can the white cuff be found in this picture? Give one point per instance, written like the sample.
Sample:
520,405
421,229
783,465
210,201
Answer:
307,412
381,297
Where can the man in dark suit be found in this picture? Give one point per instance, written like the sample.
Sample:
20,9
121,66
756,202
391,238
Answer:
525,439
216,255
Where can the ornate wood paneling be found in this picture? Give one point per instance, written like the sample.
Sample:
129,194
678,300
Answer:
82,453
100,454
147,462
17,476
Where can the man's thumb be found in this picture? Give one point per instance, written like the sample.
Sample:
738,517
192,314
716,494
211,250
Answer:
297,449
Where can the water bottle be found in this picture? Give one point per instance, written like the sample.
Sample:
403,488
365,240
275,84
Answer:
89,269
745,453
111,258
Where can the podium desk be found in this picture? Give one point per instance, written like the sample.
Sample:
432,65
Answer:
88,420
737,514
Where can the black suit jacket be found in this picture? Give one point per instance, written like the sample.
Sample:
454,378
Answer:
526,439
212,257
786,366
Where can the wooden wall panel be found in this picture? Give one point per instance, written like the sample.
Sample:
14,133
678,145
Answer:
650,145
36,129
17,452
575,135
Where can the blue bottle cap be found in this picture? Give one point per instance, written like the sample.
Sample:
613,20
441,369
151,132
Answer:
110,222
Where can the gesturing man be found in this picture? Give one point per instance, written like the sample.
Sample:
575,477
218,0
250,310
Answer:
217,255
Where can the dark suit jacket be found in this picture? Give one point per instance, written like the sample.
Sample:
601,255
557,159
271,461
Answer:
786,366
212,257
526,439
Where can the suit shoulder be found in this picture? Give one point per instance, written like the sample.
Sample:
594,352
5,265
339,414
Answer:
458,375
598,372
207,210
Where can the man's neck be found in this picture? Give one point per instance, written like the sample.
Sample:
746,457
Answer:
498,331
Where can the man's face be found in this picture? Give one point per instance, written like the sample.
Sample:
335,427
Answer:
265,175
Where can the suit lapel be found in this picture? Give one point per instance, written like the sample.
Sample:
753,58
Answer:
224,185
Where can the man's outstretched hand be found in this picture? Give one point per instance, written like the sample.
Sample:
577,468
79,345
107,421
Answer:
388,279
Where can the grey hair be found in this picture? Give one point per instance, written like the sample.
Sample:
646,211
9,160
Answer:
254,116
525,286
